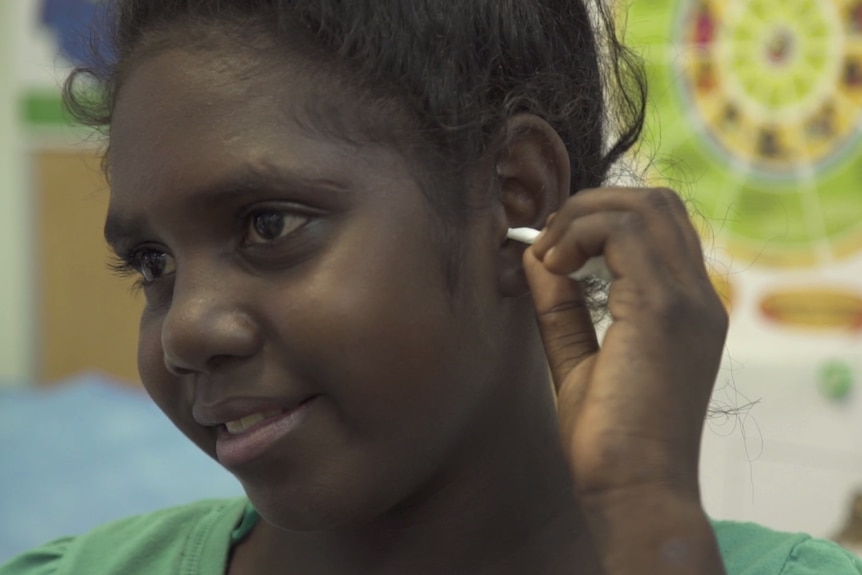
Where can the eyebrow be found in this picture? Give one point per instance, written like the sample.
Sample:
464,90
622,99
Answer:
248,180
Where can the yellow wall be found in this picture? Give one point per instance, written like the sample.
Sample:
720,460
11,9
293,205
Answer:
87,318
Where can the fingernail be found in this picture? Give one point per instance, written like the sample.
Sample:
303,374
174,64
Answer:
549,255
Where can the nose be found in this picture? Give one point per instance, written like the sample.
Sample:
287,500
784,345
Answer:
205,326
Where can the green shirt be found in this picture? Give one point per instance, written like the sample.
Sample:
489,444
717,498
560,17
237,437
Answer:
195,540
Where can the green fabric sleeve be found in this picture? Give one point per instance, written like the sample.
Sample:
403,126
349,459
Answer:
43,560
817,557
750,549
190,540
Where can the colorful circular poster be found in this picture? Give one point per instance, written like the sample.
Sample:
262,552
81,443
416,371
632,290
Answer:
760,102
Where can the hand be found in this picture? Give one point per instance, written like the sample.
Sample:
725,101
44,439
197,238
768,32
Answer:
631,413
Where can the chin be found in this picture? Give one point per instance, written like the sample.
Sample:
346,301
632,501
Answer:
315,508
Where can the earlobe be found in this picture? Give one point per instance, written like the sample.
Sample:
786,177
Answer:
534,176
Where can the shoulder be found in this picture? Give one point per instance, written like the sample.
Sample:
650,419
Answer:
158,542
750,549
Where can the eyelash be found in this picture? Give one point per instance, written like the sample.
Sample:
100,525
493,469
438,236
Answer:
126,264
121,265
134,263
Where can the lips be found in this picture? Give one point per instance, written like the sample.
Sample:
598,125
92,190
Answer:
255,436
248,428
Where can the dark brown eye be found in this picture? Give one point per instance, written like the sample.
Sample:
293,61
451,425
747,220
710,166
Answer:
153,265
269,226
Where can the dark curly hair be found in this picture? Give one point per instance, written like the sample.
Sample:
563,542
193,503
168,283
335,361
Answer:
459,68
454,70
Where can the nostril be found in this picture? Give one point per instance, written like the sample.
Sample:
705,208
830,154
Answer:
176,368
217,361
213,364
175,365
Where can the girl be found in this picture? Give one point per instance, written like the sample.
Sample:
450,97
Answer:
315,196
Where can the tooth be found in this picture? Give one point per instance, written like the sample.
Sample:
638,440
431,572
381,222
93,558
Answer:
247,422
234,427
240,425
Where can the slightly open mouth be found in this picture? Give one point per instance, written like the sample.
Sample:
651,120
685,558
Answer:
239,425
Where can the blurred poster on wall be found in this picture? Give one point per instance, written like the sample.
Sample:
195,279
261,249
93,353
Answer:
755,117
756,109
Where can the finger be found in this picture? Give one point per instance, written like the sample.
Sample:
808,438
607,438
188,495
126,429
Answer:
682,214
662,211
564,319
621,237
639,200
685,219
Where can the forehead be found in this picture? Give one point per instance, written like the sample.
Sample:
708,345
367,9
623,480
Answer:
187,119
189,101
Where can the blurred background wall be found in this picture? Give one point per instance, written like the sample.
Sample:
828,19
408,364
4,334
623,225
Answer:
80,443
66,314
755,117
16,231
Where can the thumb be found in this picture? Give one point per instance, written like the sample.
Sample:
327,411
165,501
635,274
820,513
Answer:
564,319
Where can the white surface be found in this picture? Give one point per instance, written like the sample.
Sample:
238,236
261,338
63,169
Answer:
37,64
793,461
16,229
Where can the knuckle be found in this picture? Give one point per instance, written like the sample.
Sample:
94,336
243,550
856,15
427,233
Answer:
571,205
662,304
631,222
719,316
672,307
664,199
702,309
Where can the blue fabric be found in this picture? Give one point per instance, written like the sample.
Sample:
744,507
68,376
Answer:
71,22
87,451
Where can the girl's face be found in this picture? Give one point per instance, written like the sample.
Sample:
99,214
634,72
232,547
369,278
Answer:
295,286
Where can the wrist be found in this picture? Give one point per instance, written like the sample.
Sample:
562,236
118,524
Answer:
652,531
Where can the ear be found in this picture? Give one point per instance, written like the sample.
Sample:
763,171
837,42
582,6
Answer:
534,177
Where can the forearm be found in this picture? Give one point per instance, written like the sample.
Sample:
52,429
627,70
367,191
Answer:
653,534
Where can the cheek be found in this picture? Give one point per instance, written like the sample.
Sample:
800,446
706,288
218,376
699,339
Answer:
166,389
151,364
388,349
